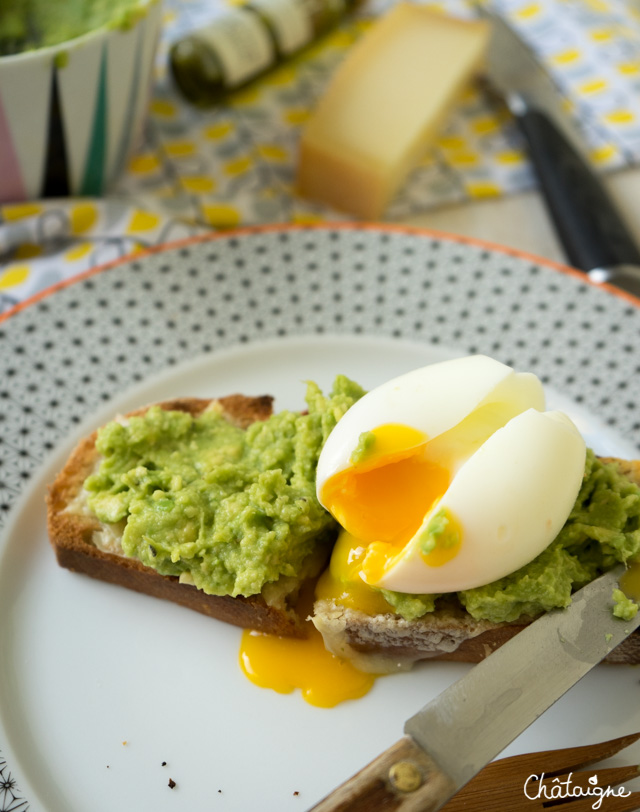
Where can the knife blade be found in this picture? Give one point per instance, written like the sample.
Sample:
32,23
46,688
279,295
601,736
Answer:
592,231
458,733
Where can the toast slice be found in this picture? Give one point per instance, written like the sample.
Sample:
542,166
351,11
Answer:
83,544
386,643
382,643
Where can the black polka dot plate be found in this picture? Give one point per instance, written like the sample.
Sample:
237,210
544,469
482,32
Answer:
106,695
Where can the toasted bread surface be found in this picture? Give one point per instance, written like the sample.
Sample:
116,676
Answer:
71,532
386,643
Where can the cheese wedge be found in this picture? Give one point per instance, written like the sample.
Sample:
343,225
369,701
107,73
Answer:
386,101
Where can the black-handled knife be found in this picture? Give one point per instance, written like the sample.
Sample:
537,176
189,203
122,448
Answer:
591,229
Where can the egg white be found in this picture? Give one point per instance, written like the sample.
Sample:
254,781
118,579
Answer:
509,500
433,399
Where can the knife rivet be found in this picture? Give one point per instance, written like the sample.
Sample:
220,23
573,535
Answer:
405,776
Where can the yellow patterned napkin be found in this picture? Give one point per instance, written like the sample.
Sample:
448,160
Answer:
235,165
53,240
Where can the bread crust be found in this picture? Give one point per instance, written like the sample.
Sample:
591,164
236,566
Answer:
71,534
387,643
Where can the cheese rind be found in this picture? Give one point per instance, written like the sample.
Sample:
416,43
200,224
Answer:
384,104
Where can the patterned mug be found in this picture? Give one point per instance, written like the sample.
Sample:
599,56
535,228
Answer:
70,114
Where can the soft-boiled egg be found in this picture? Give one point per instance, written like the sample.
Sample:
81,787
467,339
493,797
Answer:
443,479
451,476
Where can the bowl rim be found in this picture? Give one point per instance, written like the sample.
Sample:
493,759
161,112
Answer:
50,51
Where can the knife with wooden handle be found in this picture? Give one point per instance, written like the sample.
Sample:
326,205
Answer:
591,229
457,734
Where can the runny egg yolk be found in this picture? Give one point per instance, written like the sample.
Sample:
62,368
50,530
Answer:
284,664
386,492
341,581
630,582
380,501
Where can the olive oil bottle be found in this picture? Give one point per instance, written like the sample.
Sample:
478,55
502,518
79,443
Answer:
247,42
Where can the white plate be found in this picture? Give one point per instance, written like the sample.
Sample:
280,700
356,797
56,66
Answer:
85,666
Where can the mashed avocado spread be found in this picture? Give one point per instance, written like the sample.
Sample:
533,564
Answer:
29,24
230,509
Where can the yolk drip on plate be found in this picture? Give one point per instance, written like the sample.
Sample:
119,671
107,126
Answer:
285,664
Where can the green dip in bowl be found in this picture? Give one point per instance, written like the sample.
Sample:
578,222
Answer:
29,24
